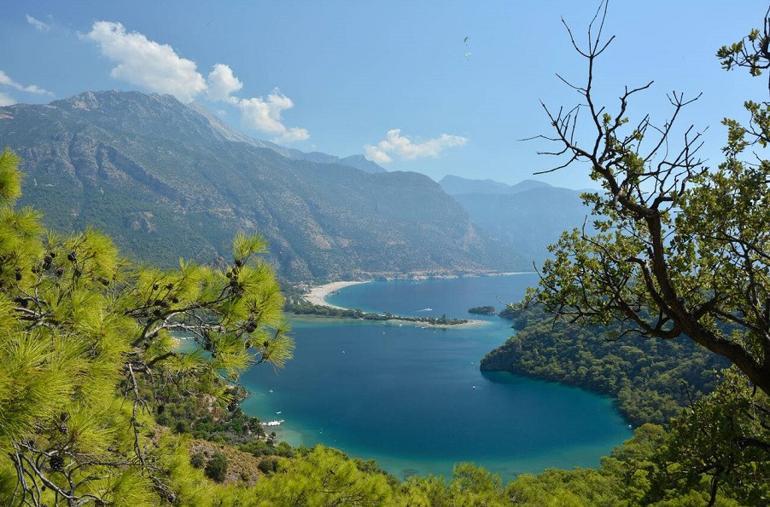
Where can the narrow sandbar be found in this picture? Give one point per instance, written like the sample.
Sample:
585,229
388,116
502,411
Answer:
317,295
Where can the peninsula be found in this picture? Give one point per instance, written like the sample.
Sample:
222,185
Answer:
314,303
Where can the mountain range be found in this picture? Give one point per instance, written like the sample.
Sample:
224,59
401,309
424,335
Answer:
456,185
527,216
169,180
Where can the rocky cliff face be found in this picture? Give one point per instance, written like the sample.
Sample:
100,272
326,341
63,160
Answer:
167,181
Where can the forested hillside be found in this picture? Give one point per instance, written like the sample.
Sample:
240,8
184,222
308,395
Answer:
167,181
651,380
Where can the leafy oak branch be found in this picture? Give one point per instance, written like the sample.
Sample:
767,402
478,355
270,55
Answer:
681,250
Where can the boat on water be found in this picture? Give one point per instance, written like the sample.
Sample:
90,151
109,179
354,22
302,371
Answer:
276,422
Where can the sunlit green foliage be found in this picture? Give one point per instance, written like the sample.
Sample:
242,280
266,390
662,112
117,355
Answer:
722,441
680,251
85,339
89,353
650,469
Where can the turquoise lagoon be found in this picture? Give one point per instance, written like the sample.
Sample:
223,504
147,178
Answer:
414,399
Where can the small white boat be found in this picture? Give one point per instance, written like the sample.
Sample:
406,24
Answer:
426,310
277,422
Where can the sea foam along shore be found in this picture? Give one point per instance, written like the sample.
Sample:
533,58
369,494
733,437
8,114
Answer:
317,295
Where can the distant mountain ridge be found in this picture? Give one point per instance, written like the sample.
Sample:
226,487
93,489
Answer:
528,216
457,185
356,161
167,180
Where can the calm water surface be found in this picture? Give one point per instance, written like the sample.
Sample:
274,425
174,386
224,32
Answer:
414,399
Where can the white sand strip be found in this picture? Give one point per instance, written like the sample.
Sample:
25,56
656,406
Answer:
317,295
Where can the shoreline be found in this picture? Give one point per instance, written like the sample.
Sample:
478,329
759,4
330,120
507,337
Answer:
317,294
421,277
393,321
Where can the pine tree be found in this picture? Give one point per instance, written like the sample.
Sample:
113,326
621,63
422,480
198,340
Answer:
86,338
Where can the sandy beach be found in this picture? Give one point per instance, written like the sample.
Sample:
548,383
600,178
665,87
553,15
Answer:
317,295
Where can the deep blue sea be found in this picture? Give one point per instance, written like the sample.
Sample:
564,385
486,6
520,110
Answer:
414,399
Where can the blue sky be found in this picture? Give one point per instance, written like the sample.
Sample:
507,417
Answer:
348,72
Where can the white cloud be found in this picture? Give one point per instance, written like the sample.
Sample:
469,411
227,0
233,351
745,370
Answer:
222,83
376,155
39,25
6,100
145,63
158,68
264,115
401,146
258,113
6,80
